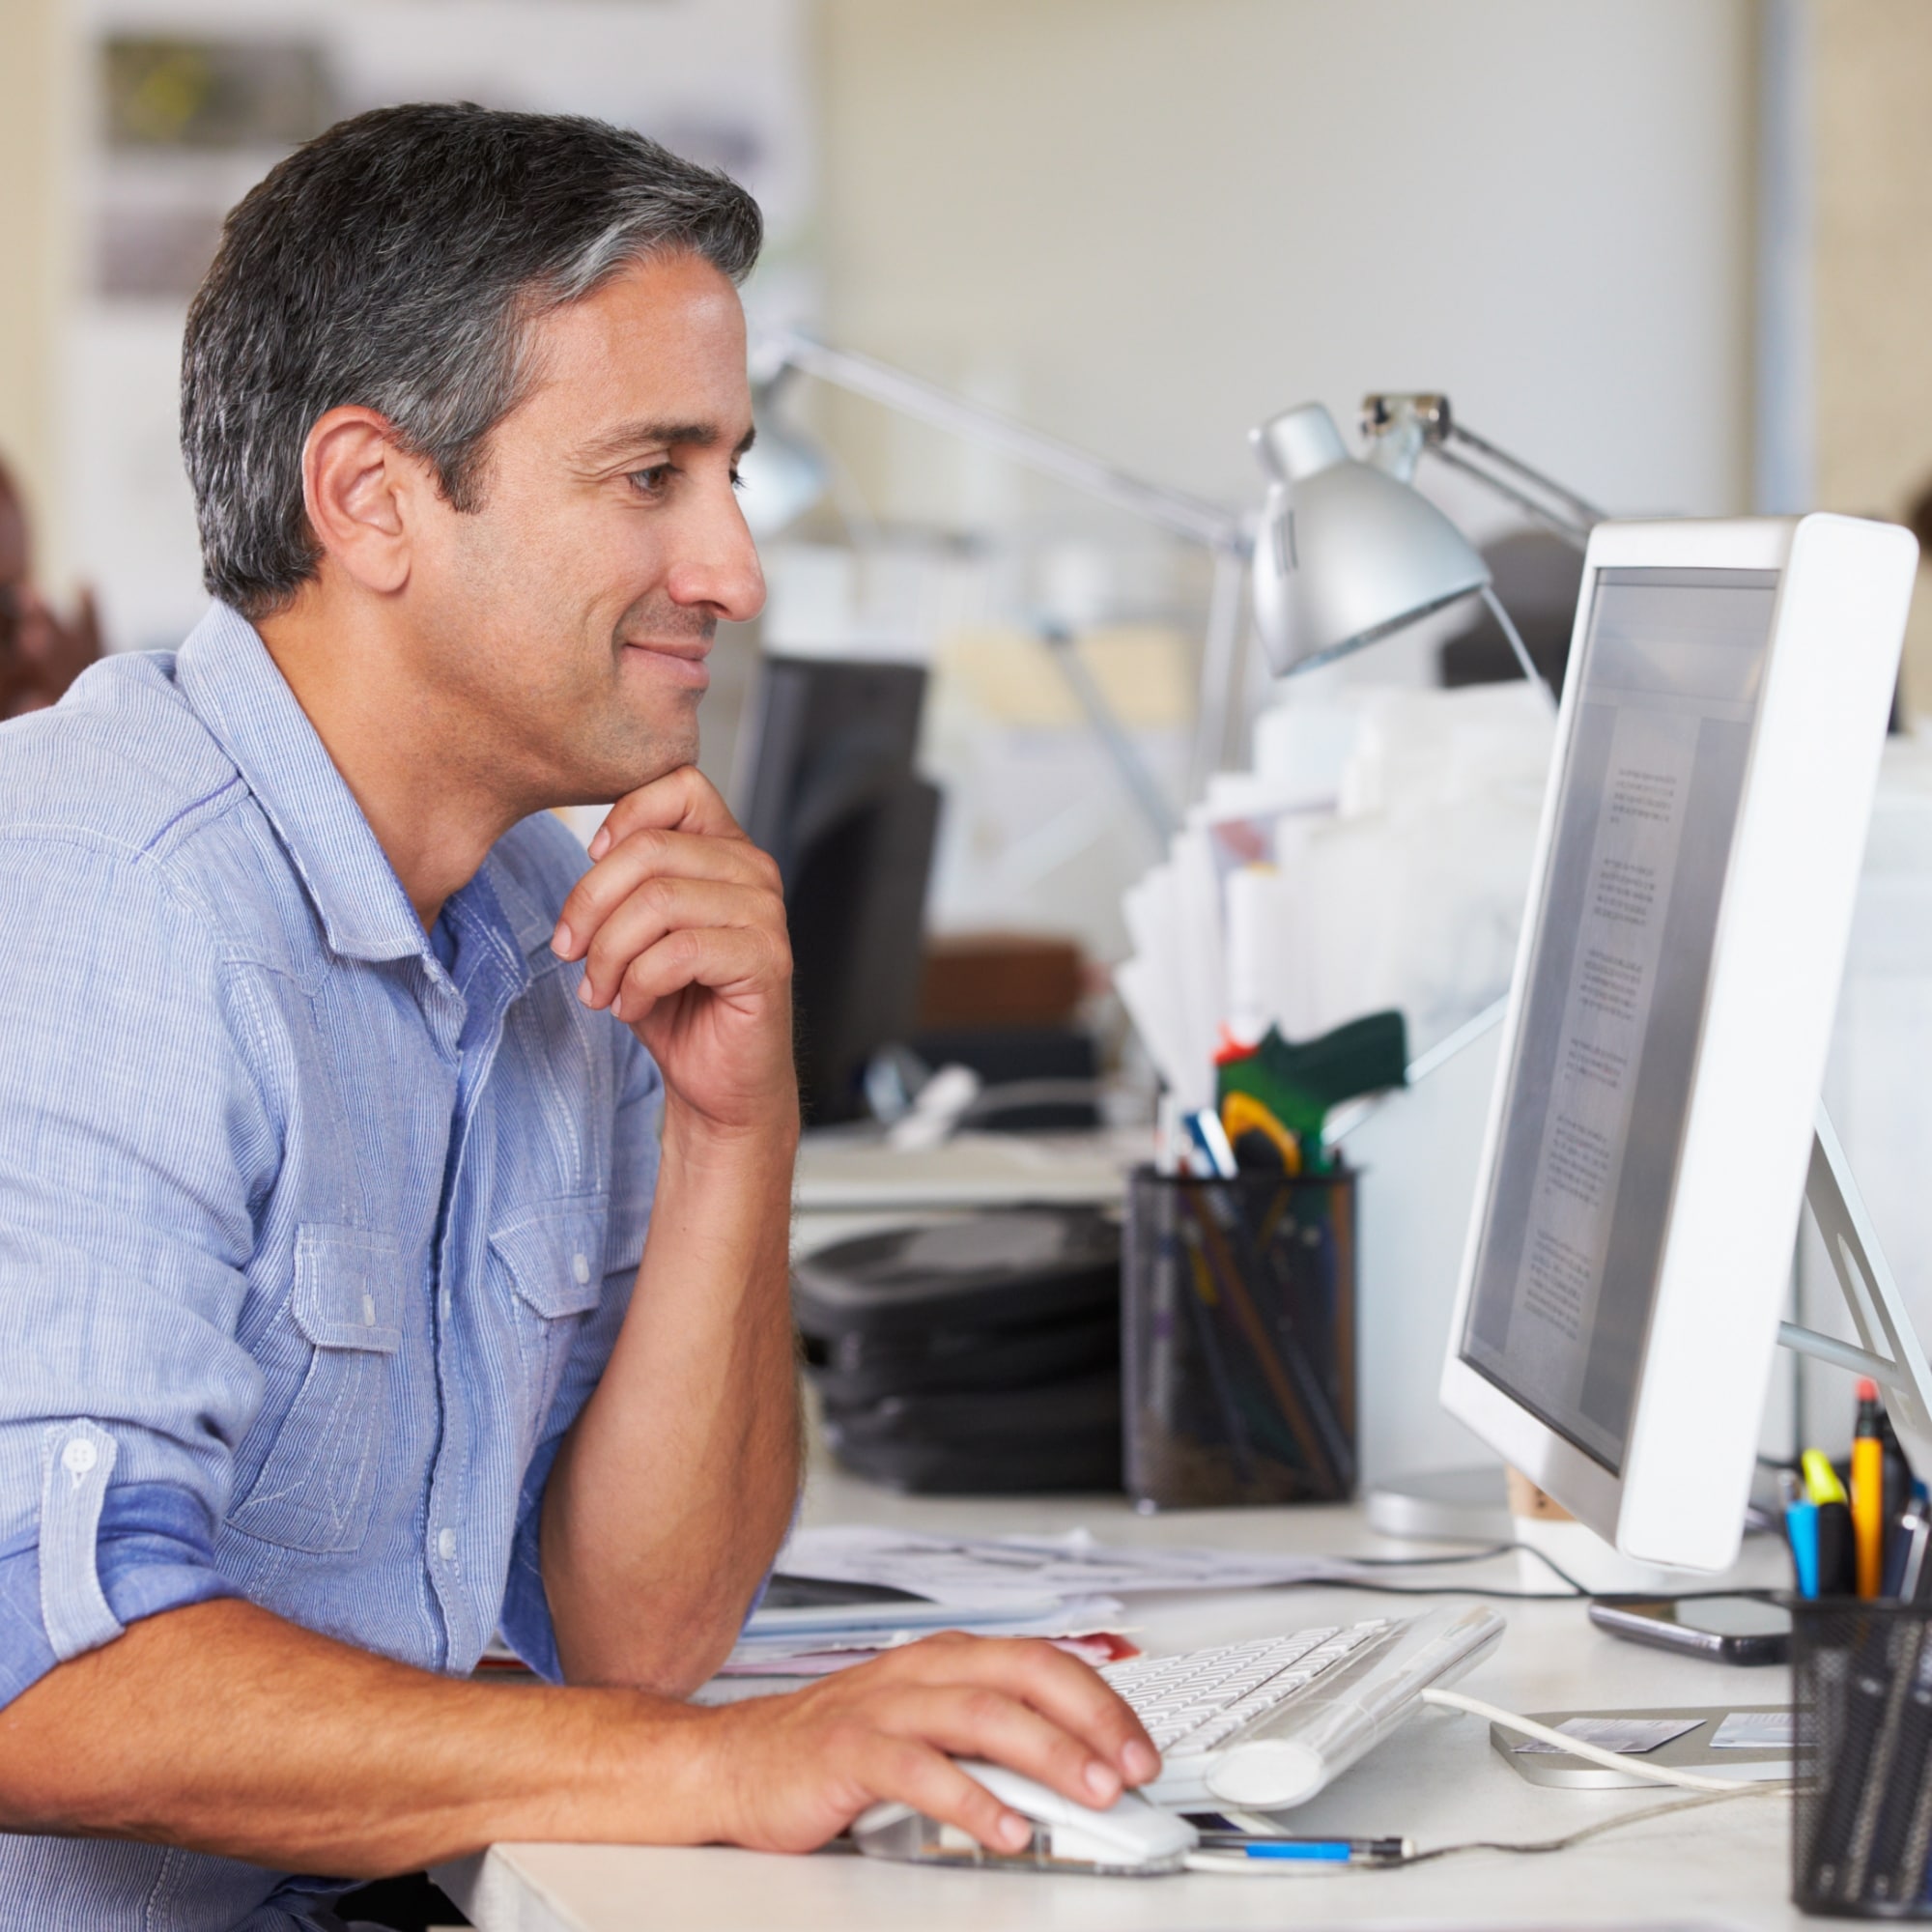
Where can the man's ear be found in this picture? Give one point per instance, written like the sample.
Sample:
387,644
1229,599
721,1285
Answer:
362,494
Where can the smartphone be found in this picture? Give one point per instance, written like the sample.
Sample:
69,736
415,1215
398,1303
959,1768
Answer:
1729,1627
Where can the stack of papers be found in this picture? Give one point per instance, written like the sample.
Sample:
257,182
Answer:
1377,857
975,1569
1062,1586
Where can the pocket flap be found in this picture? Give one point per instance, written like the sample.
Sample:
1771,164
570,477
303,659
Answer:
348,1291
556,1257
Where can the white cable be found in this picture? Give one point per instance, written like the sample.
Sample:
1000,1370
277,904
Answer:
1655,1773
1524,663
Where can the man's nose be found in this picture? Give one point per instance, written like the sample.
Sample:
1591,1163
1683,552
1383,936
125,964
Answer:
721,565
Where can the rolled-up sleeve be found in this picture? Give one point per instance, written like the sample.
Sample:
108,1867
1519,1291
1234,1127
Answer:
525,1623
135,1139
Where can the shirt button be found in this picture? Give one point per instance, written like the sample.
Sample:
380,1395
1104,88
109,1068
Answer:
443,1304
368,1311
445,1546
580,1267
79,1457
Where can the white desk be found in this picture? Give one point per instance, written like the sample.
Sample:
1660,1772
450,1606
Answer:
1438,1781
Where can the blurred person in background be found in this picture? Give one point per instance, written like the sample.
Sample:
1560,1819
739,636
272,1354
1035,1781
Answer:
40,656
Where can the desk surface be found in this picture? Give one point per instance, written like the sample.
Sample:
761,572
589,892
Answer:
1438,1781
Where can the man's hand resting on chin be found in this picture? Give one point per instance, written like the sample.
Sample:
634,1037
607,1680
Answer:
680,924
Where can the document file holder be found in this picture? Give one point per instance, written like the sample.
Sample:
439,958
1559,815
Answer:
1238,1339
1861,1824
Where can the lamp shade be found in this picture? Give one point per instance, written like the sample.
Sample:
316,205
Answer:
1345,553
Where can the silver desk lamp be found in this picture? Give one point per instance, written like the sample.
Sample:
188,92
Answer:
1348,553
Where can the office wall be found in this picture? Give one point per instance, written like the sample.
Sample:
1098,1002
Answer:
1872,270
1144,224
727,82
31,241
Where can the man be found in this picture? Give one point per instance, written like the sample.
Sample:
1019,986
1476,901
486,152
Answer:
338,1113
40,655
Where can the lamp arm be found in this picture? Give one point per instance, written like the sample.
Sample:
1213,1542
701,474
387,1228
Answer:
1582,512
1575,534
1402,427
1186,515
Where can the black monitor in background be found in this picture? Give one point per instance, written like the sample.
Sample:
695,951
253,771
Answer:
827,786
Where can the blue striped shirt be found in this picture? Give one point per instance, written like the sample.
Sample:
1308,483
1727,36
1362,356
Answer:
312,1244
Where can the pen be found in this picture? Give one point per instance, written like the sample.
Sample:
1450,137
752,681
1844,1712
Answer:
1212,1138
1801,1531
1821,1480
1905,1547
1869,1491
1312,1850
1837,1567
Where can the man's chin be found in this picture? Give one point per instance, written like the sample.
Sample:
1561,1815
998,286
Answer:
609,779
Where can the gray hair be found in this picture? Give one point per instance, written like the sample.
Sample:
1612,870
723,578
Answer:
398,261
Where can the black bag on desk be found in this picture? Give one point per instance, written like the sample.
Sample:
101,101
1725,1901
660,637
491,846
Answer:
972,1356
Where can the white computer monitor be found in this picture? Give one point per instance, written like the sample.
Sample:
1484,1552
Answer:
1629,1254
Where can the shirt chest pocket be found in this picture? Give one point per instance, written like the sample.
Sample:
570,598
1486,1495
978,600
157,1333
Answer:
317,1489
554,1262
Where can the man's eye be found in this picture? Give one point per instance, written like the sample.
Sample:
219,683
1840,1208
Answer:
737,481
654,481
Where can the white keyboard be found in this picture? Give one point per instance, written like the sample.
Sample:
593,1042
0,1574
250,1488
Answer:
1201,1699
1266,1724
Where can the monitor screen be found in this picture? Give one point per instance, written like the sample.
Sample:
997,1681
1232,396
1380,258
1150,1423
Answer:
1593,1117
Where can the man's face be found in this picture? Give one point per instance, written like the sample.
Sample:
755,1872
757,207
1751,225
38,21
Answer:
566,622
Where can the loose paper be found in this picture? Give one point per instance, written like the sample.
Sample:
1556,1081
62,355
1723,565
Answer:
885,1625
979,1571
1634,1737
1755,1730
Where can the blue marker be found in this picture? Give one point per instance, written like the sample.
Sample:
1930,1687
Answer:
1801,1531
1312,1851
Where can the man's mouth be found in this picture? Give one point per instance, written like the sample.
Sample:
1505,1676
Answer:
681,658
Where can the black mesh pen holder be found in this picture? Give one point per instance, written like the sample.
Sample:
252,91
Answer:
1861,1799
1237,1343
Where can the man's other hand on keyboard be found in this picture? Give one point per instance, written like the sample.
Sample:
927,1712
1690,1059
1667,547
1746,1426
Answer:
799,1769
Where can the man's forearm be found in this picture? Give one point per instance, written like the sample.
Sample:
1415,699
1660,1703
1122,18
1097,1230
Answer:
672,1492
221,1728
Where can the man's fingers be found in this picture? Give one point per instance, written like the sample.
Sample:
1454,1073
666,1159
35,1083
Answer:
917,1775
681,800
723,957
659,908
654,853
1060,1687
979,1722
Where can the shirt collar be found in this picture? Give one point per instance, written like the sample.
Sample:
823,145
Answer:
231,684
522,911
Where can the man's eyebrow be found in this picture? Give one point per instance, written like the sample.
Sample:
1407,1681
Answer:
629,437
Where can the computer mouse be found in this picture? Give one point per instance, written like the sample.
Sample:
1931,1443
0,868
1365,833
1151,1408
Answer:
1130,1837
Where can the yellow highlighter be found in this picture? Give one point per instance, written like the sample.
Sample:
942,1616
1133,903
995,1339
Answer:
1837,1567
1821,1480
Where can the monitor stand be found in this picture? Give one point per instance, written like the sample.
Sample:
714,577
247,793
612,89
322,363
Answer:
1461,1505
1891,1355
